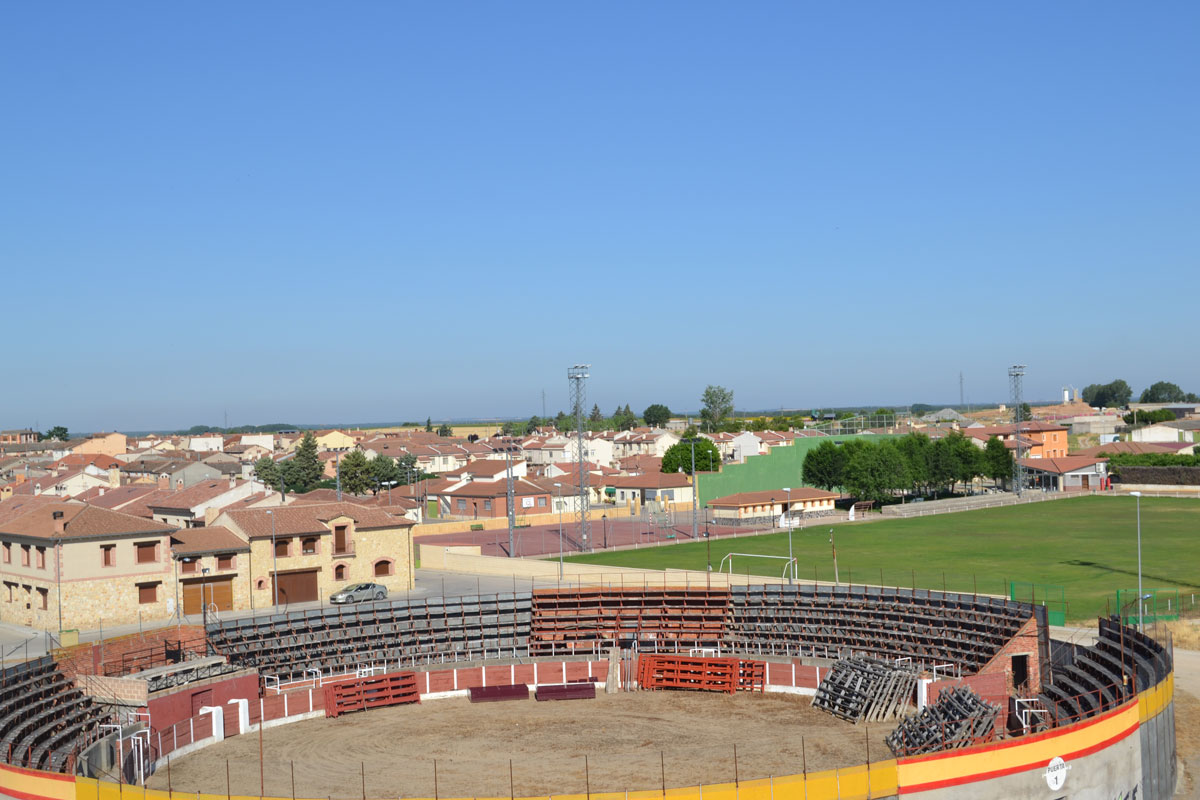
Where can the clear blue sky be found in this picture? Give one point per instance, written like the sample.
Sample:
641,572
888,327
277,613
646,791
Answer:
312,212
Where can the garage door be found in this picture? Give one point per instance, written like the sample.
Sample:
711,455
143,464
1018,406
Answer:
218,591
297,587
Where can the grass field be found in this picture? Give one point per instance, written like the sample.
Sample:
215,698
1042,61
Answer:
1088,545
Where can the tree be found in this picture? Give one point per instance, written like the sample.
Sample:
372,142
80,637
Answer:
1163,392
656,415
267,471
562,422
511,428
1149,417
968,459
304,469
716,404
874,472
1109,395
58,432
998,460
445,430
534,423
679,456
1026,413
383,470
429,424
356,473
597,415
915,449
824,466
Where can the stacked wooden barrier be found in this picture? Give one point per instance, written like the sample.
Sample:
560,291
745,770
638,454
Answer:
376,691
959,718
660,671
865,688
497,694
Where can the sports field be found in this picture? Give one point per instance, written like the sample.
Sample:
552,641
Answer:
1088,545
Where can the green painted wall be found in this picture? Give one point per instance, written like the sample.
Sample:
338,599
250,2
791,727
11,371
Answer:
782,467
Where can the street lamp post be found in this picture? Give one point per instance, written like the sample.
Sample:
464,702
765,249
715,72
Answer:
560,532
274,562
604,524
833,547
695,486
788,511
1138,495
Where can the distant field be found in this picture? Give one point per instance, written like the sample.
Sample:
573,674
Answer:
1088,545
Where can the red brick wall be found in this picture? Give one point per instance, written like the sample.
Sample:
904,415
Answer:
1024,643
992,687
175,707
91,659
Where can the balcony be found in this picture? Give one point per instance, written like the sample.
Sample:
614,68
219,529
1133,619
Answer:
343,549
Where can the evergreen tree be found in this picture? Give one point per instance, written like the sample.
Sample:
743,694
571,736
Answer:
597,415
356,473
383,470
303,470
429,424
267,471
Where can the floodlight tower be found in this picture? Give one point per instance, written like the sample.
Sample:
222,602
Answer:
1015,373
577,376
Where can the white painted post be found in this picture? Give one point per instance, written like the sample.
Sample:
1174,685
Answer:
310,700
512,673
426,681
564,671
456,679
285,706
793,673
535,683
483,676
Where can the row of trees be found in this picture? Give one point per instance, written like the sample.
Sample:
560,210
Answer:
910,464
304,471
1117,394
300,473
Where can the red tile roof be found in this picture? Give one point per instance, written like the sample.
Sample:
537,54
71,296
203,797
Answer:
79,521
649,480
1061,465
198,541
313,518
194,495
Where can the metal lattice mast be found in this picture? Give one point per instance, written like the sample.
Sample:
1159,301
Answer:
1015,373
512,512
577,376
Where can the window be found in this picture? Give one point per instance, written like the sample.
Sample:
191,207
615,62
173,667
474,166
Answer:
308,547
147,552
43,599
147,593
383,568
339,572
7,553
261,583
41,558
25,555
8,591
541,502
487,505
283,548
225,561
462,504
108,555
188,566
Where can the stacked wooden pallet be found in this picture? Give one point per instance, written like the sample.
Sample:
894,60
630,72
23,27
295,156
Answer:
959,718
701,674
375,691
866,689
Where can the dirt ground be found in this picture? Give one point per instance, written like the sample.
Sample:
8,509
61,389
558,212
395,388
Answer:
630,740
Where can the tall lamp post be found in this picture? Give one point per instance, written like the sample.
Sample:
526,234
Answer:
274,562
604,524
833,547
788,511
1138,495
560,531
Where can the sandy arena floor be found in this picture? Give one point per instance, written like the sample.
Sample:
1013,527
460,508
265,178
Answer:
622,736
